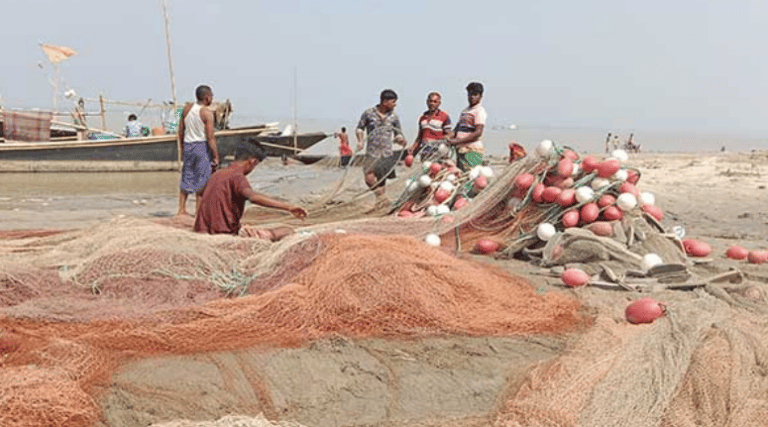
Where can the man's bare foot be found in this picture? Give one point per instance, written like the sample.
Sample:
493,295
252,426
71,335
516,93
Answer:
184,218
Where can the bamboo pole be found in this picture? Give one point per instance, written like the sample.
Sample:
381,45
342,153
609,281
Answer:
79,127
102,112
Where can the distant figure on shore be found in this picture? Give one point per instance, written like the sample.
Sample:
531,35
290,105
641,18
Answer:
133,127
608,143
434,127
381,128
201,153
630,145
223,199
466,136
616,142
345,151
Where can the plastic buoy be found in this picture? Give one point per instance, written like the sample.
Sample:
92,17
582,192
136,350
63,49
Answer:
524,181
608,168
565,167
737,252
409,160
537,191
589,164
606,200
480,182
545,231
654,211
589,212
441,195
757,257
570,218
573,277
550,194
644,310
435,168
651,260
612,213
459,203
696,248
432,239
567,197
626,201
486,246
601,228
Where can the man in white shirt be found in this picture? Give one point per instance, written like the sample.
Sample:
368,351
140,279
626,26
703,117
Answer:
466,136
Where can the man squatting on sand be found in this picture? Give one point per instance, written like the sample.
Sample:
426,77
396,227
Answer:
434,127
382,127
201,153
222,202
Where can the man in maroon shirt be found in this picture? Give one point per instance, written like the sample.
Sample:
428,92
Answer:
223,201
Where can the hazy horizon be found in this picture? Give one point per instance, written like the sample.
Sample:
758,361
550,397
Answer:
685,66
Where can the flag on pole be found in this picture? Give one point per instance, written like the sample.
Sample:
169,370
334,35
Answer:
57,54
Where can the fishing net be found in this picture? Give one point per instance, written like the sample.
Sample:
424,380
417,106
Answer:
76,306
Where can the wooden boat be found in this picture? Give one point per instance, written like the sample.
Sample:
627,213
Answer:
279,144
150,153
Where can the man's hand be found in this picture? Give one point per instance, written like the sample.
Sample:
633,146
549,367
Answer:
298,212
215,162
359,146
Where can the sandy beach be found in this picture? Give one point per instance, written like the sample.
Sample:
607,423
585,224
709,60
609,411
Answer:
574,360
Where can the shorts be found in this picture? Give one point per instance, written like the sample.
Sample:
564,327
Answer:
196,168
383,167
345,160
468,160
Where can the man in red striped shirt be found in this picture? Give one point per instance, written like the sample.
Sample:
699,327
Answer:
434,126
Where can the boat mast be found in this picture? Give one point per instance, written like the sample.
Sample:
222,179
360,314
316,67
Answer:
295,112
168,50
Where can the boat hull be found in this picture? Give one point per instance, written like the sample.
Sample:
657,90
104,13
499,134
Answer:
152,153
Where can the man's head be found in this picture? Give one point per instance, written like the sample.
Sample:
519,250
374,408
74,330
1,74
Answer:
343,129
474,93
250,153
388,100
204,95
433,101
132,117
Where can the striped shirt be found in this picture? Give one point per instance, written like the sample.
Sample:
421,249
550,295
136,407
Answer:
434,126
470,118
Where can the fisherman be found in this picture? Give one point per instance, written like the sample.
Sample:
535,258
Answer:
201,153
133,129
434,127
382,127
466,136
608,143
345,151
223,199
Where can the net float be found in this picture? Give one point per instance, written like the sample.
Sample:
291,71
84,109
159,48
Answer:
620,155
545,148
425,181
644,310
625,202
628,187
443,149
757,257
565,167
599,183
606,200
442,209
426,165
441,195
545,231
446,185
633,176
451,177
570,218
414,185
576,170
435,168
459,203
432,210
601,228
570,154
405,214
474,173
567,197
524,181
409,160
737,252
651,260
646,198
537,192
584,194
550,194
574,277
447,219
480,182
696,248
608,167
613,213
589,164
654,211
486,171
432,239
486,246
589,212
620,175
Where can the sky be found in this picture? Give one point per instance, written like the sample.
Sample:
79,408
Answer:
672,65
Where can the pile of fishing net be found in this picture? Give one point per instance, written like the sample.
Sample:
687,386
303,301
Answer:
76,305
